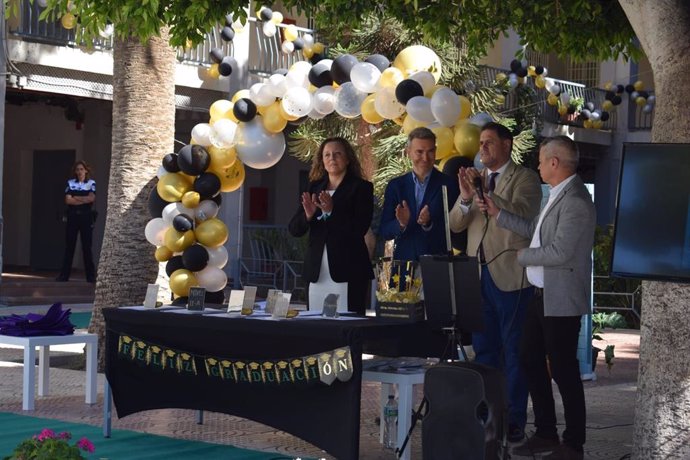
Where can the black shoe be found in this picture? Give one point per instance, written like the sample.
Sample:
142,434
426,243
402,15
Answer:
565,452
61,279
535,445
515,433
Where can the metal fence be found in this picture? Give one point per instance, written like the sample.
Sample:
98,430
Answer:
618,295
638,120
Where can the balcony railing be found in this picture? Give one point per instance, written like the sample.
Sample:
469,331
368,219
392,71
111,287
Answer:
270,55
638,120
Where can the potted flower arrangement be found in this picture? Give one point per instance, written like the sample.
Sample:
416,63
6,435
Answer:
50,445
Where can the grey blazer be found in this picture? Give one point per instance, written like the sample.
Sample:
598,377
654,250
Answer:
567,236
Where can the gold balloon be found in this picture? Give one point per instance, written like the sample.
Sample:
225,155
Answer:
222,108
399,121
178,241
607,105
465,108
418,57
410,123
608,85
308,52
318,47
641,101
540,82
390,78
532,71
231,178
587,123
211,233
241,94
432,90
444,141
181,280
552,99
191,199
213,71
163,254
597,124
638,85
466,140
221,158
369,113
68,20
500,99
273,120
172,186
562,110
501,78
286,115
290,33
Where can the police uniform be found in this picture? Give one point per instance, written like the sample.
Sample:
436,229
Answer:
79,221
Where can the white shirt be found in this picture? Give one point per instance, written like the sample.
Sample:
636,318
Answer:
535,274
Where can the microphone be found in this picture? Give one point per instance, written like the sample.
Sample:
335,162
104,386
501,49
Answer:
478,188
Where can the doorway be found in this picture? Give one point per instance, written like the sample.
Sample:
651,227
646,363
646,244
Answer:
51,170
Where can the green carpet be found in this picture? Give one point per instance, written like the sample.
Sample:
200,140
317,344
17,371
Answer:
122,445
80,319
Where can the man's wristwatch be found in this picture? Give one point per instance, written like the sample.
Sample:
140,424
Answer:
465,202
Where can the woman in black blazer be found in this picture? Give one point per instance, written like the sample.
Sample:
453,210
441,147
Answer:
336,211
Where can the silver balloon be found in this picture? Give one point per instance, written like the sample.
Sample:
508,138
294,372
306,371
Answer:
348,100
256,147
478,161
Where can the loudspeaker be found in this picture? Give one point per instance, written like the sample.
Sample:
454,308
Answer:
467,413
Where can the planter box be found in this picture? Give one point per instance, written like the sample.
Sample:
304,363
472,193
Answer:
404,311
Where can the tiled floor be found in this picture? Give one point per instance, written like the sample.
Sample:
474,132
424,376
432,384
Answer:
610,401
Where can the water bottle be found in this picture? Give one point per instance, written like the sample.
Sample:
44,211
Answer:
390,423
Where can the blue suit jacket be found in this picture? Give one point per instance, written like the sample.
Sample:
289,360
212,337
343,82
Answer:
415,241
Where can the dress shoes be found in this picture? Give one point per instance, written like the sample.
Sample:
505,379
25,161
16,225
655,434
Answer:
565,452
515,433
536,445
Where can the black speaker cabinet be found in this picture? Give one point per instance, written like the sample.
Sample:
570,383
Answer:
467,413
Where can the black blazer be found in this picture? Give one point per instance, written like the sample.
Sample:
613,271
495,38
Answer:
342,233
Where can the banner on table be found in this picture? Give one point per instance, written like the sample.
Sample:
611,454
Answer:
325,367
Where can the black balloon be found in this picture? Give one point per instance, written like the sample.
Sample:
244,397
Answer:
170,163
195,258
244,109
609,95
380,61
156,203
174,263
340,69
643,94
629,88
453,165
227,65
193,159
180,301
217,297
604,116
298,43
266,14
216,55
620,89
227,34
521,72
218,199
515,65
182,223
539,69
407,89
571,109
616,100
317,58
320,75
207,184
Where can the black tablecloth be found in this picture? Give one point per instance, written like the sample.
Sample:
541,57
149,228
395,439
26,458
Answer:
324,415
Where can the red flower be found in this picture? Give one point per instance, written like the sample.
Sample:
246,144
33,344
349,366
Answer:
85,444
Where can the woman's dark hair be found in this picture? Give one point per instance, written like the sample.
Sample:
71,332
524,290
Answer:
82,163
353,167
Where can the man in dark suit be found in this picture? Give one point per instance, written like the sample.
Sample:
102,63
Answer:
413,211
559,265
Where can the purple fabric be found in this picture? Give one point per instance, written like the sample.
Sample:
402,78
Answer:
54,322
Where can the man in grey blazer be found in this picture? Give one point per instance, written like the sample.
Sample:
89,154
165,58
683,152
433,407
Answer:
559,265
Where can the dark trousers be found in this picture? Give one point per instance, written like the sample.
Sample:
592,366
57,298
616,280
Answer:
498,345
357,295
554,337
78,224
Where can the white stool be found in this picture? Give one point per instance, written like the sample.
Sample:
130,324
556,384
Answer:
44,342
405,382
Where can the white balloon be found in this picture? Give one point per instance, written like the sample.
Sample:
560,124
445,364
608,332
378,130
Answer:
555,90
201,134
174,209
106,32
261,95
296,79
478,161
223,133
302,67
419,108
269,29
155,231
212,278
256,147
315,115
161,172
387,105
287,47
348,100
207,209
651,100
548,83
634,95
277,85
308,39
217,257
513,80
324,100
297,101
364,76
647,108
445,105
596,115
424,78
565,98
480,119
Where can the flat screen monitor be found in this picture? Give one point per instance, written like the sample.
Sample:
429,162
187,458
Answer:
652,228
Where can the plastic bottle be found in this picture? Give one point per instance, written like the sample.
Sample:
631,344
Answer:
390,421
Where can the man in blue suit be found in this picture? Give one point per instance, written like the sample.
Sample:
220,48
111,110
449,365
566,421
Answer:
413,212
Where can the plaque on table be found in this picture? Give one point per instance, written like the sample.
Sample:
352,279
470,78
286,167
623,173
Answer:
271,298
151,296
249,297
280,309
196,299
330,306
236,300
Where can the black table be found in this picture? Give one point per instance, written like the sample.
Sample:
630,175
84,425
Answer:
325,415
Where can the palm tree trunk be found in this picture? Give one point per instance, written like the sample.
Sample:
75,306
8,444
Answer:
143,132
662,409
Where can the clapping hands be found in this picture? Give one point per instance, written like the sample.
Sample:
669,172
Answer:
311,203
